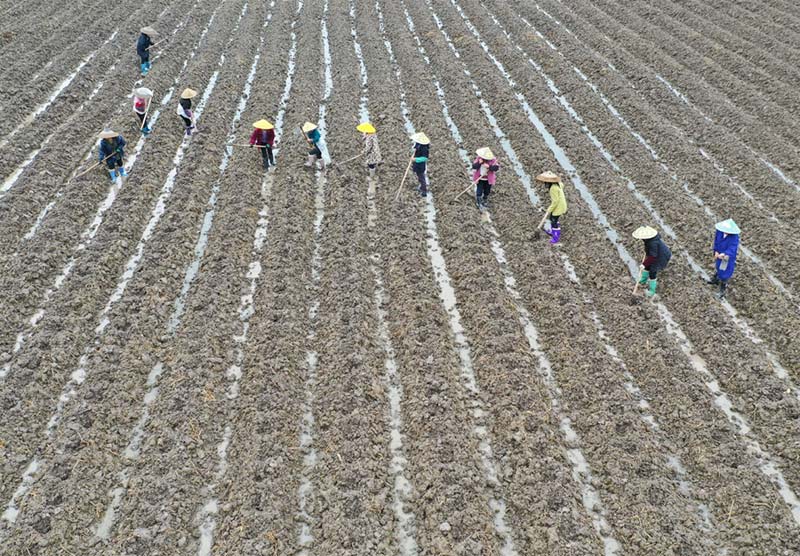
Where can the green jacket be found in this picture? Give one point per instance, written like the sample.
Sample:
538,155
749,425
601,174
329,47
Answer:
558,202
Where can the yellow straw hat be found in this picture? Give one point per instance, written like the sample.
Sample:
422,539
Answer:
366,127
108,134
263,124
421,138
308,126
149,31
143,92
548,177
645,232
485,153
188,93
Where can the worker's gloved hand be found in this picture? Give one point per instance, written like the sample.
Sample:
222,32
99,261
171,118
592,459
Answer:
118,149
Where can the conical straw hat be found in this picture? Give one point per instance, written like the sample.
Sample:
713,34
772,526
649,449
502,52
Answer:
188,93
485,153
149,31
108,134
548,177
645,232
263,124
728,227
143,92
366,127
421,138
308,126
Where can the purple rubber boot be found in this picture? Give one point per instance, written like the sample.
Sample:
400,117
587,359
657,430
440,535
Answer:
555,235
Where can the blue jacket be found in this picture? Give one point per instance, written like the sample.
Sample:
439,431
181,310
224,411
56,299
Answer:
729,246
108,146
142,45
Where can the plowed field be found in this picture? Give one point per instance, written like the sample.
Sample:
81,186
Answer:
207,358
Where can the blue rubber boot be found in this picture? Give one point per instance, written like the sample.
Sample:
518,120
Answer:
113,175
122,172
145,69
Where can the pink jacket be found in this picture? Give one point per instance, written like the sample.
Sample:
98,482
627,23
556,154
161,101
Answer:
491,175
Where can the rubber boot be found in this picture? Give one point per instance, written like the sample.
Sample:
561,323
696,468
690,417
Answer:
651,288
122,172
644,277
311,161
478,202
321,164
145,69
721,293
113,175
714,281
556,235
189,130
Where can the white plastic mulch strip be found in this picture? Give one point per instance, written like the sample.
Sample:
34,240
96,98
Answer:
405,532
78,377
497,504
581,470
766,463
778,369
88,234
307,449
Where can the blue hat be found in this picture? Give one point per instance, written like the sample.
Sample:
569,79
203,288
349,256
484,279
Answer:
728,227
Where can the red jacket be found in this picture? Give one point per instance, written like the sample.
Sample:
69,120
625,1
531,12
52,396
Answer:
262,137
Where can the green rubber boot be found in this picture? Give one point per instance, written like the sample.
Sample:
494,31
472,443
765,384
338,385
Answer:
644,277
651,290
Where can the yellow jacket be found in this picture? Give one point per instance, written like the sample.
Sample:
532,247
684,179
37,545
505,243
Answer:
558,202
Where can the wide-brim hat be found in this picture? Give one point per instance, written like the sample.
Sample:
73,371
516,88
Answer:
728,227
366,127
149,31
263,124
485,153
108,134
308,126
188,93
645,232
548,177
421,138
143,92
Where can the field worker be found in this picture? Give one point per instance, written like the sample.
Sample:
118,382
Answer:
185,109
143,48
726,246
421,149
111,151
313,138
263,136
558,203
656,257
141,101
372,151
485,168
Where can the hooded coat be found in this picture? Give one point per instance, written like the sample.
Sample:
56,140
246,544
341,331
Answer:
729,246
491,175
114,146
657,254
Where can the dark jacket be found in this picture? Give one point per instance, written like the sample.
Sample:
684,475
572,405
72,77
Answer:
657,254
108,146
421,152
142,46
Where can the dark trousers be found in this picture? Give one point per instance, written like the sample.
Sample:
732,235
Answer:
145,57
419,169
114,162
484,188
142,120
187,122
554,222
652,271
266,155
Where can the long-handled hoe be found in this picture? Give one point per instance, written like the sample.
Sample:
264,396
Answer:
469,187
405,175
538,233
